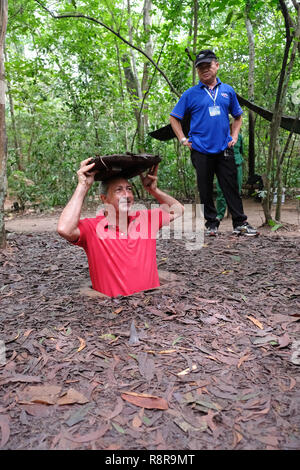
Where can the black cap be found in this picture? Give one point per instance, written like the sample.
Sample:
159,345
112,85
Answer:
205,56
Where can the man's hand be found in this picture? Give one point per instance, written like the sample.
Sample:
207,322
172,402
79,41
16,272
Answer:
150,180
188,144
177,128
232,142
234,130
168,203
85,174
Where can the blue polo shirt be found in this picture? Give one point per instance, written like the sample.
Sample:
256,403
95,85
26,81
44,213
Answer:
209,129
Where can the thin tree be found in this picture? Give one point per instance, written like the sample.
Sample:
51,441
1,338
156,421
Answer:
292,32
251,151
3,144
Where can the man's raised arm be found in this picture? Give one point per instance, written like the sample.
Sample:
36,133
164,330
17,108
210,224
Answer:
68,222
149,182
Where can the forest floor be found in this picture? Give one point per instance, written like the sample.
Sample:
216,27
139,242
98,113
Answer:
209,361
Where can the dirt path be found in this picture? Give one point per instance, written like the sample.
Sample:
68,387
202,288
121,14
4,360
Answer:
33,223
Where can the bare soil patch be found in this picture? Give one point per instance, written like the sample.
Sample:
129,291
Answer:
32,222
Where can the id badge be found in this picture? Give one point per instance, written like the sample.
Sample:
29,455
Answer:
214,110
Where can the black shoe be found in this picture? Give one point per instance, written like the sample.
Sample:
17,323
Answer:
245,229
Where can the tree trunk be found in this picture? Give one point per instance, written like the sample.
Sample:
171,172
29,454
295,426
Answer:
3,143
251,151
278,178
147,20
289,163
17,143
133,84
122,98
32,136
285,73
195,35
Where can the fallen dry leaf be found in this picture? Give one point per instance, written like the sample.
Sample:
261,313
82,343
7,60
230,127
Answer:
136,422
186,427
145,400
243,359
119,310
20,378
165,351
72,396
292,383
78,415
187,371
47,394
27,333
12,339
256,322
133,339
5,429
269,440
57,346
36,409
82,344
50,395
284,341
146,366
91,436
116,411
113,447
237,437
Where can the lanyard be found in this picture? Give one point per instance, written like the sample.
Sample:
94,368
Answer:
214,99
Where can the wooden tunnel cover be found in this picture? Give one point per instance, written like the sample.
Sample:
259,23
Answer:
125,165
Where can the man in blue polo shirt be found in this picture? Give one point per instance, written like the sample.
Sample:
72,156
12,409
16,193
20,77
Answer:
209,104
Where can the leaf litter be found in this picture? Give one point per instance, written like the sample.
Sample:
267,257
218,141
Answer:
208,362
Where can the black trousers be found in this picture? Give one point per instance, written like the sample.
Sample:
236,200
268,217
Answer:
225,168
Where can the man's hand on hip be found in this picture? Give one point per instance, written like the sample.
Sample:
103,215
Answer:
188,144
232,142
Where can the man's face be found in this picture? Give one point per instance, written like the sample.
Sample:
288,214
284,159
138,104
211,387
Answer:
207,72
119,195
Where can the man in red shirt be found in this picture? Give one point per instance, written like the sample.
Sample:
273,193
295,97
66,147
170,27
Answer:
120,245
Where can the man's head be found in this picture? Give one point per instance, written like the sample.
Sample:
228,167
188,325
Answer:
118,193
205,56
207,66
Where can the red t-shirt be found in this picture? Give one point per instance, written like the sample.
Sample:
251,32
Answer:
122,264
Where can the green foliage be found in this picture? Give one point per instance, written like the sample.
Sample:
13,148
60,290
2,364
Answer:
69,93
274,225
21,187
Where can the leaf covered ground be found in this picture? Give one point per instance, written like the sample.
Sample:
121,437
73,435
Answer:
209,361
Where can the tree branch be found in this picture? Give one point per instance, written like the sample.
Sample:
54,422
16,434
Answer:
287,19
146,93
90,18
